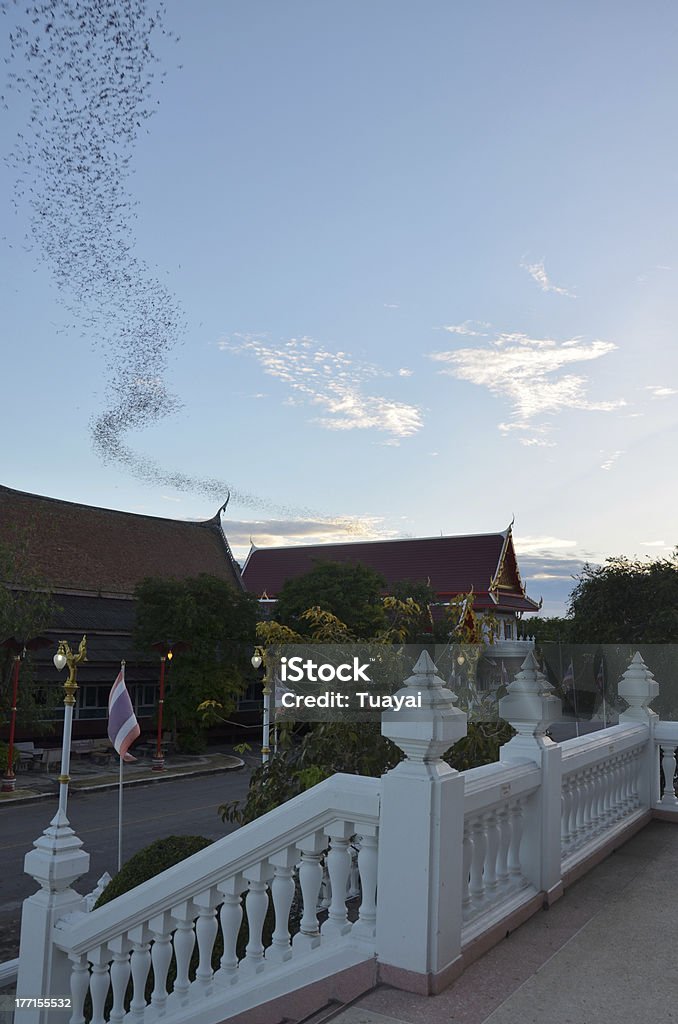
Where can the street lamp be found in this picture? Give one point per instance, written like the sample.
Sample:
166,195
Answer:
257,659
167,651
18,650
65,657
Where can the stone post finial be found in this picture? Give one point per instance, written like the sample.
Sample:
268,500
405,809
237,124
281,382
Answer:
424,733
530,706
638,687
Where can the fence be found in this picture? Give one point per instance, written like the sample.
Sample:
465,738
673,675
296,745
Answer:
447,863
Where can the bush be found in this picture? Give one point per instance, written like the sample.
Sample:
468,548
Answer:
4,757
150,861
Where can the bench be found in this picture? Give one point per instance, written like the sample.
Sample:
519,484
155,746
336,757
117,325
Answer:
28,754
50,759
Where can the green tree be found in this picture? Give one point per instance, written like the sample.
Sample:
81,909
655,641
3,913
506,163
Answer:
351,592
218,622
26,611
626,601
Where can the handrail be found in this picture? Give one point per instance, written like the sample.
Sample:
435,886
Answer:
349,798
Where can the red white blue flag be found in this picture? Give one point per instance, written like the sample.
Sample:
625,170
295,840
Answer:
123,728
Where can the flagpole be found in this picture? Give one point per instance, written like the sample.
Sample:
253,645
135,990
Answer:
120,817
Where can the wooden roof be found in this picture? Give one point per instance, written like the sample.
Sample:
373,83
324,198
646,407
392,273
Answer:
485,563
81,548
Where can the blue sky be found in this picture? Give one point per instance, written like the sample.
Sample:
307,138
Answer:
423,258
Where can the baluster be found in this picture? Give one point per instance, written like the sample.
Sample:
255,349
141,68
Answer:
514,866
120,972
79,986
231,919
282,893
310,877
626,782
492,832
634,777
574,810
669,798
325,891
479,835
594,783
256,905
617,788
607,793
206,929
338,862
140,964
579,802
353,887
586,803
160,928
99,983
366,925
565,811
184,944
504,842
467,859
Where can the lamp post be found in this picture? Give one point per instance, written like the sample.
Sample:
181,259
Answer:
257,659
65,657
167,652
18,649
9,778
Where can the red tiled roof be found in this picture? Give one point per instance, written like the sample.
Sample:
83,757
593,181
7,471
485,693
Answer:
452,565
83,548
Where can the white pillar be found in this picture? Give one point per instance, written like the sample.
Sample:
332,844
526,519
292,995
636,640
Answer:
638,687
530,706
57,861
419,888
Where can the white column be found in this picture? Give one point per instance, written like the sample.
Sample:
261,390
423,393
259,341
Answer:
419,893
56,862
530,706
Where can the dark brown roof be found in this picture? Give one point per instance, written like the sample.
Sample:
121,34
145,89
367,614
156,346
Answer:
83,548
451,565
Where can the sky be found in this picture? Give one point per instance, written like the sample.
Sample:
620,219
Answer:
376,269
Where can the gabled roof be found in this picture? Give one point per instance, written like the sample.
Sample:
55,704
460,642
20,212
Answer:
451,565
75,547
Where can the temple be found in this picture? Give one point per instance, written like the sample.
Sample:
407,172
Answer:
484,564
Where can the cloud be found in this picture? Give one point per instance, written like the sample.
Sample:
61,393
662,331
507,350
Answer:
467,328
332,381
611,459
538,274
545,547
653,543
403,372
659,391
391,305
242,533
529,373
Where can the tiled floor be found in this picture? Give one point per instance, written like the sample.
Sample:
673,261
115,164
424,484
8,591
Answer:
605,953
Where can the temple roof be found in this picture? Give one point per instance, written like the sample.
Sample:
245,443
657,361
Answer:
485,563
82,548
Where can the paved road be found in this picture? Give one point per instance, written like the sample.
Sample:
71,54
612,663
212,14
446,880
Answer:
182,807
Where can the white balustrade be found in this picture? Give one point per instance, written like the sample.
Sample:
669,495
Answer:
323,848
115,968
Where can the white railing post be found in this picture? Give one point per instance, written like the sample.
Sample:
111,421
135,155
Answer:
530,706
638,688
421,831
57,861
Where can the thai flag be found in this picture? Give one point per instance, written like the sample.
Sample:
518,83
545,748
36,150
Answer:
600,678
123,728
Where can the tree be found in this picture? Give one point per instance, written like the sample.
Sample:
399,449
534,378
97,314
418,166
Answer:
324,748
626,601
218,622
351,592
26,610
